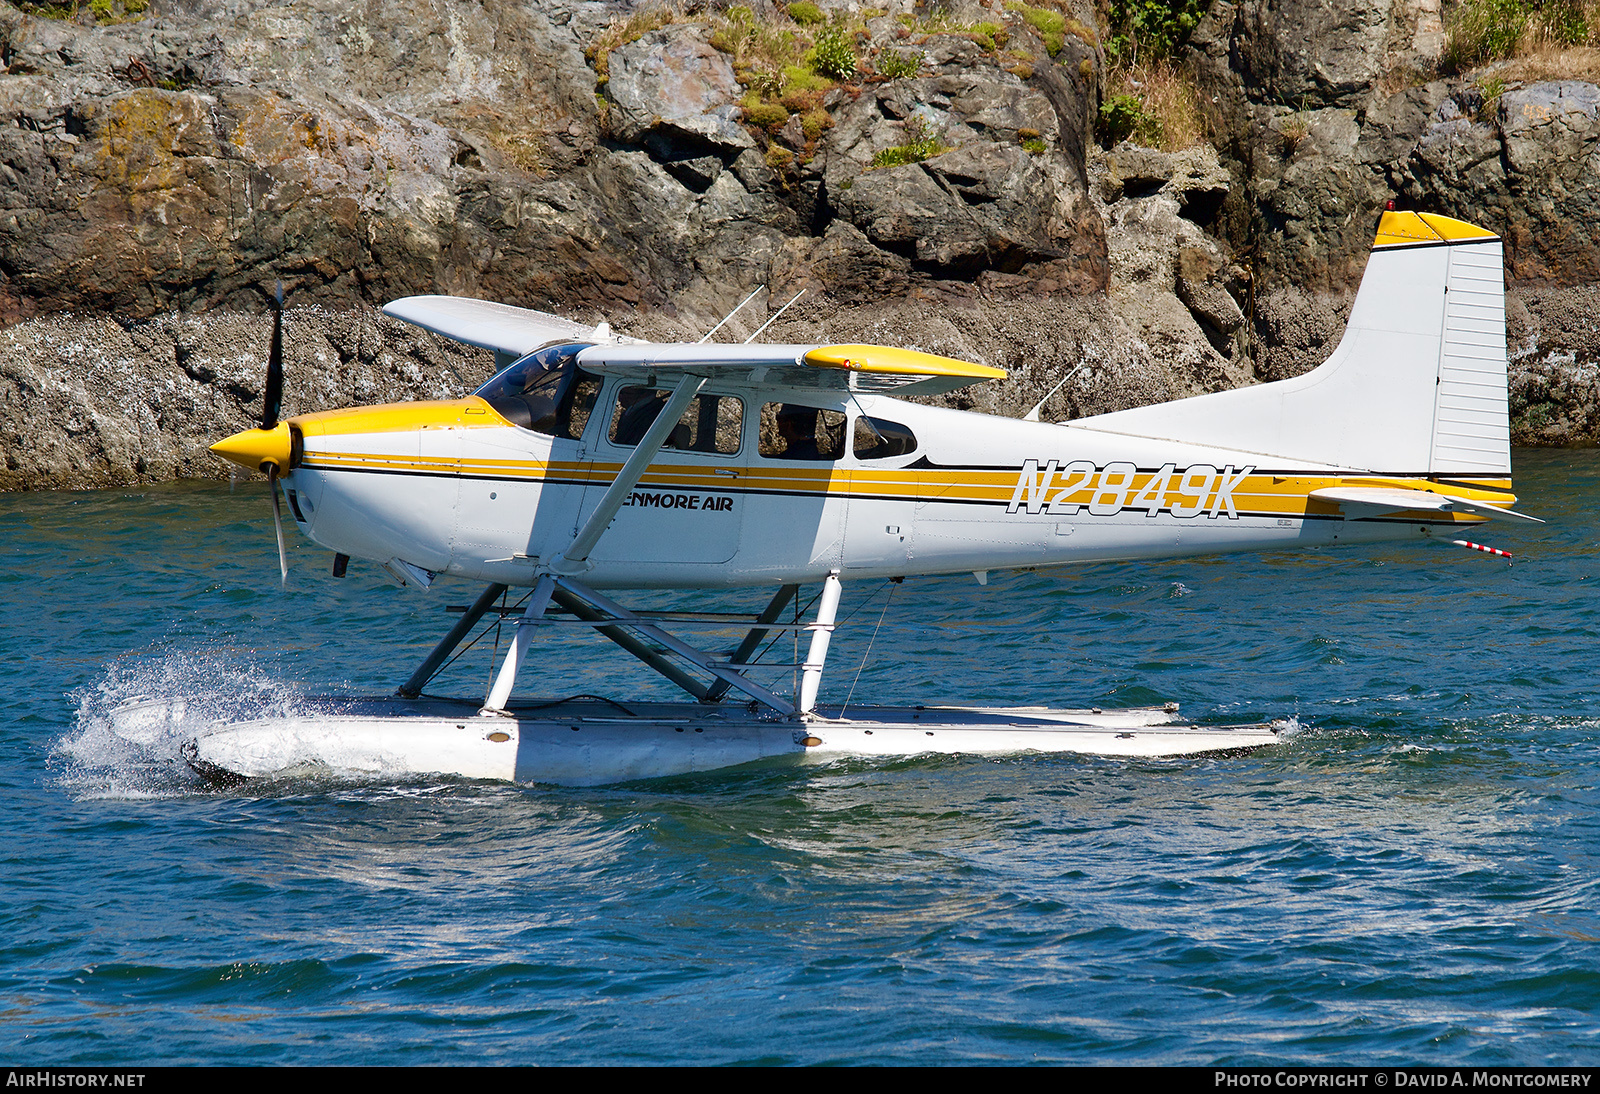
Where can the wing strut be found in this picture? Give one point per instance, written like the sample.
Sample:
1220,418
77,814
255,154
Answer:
575,559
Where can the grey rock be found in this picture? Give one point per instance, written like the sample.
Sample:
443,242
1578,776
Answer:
674,75
1201,283
1171,285
1296,330
364,153
793,134
88,402
190,159
1309,52
977,207
697,173
1134,171
1194,176
1555,365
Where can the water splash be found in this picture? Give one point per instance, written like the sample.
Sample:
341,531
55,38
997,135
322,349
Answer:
1290,727
132,724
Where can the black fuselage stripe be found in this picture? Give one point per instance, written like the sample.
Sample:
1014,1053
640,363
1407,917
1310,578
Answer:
822,495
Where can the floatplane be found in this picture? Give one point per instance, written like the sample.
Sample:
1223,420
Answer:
592,463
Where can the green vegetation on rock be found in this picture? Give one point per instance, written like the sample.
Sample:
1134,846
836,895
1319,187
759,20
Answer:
1123,117
766,115
834,55
622,31
896,66
806,13
776,62
1150,99
921,145
1051,25
1490,89
1150,29
105,12
1484,30
989,36
1480,31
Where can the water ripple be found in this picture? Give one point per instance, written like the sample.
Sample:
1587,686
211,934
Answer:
1411,875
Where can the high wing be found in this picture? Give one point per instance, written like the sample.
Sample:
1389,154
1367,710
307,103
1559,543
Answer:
1386,501
871,369
512,332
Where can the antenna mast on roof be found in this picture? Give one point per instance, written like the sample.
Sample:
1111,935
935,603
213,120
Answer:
730,315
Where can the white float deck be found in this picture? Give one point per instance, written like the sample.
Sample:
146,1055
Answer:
587,742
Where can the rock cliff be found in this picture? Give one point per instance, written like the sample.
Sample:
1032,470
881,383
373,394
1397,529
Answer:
160,172
1325,111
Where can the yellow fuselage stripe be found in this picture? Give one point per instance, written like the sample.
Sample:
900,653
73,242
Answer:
1257,494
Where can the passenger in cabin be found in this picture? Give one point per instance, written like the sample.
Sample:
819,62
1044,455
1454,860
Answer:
797,425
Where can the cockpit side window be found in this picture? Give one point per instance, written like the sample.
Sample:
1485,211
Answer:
793,431
546,392
879,439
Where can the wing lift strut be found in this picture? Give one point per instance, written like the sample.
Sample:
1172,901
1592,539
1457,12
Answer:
641,633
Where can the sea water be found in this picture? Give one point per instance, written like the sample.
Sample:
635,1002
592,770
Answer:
1410,877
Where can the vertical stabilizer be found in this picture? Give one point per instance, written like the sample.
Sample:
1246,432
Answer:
1417,385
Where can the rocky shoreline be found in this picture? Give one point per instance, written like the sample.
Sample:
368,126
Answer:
159,175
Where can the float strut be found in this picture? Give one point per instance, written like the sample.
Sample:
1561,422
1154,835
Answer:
676,645
769,614
628,642
419,679
821,634
521,638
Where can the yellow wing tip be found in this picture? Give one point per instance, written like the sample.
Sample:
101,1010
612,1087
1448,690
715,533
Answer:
1397,228
894,361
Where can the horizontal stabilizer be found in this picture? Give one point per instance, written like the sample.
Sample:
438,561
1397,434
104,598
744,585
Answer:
509,331
833,367
1381,501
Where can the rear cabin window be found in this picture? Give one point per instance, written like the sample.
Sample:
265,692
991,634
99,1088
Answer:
546,392
710,423
878,439
790,431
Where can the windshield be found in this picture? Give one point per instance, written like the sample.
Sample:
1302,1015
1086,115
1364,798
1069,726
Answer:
545,391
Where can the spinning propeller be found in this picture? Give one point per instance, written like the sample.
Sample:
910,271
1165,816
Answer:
267,447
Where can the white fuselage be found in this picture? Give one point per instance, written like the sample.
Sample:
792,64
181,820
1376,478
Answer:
473,496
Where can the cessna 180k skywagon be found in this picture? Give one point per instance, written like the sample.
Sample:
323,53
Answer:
592,463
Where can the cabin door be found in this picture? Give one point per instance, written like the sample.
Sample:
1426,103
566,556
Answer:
685,508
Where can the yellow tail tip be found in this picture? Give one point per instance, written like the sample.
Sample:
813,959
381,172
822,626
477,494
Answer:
1408,229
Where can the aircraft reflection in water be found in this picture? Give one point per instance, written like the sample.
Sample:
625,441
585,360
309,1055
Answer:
594,462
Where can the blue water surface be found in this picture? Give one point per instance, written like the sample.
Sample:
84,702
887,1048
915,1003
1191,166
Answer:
1410,878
